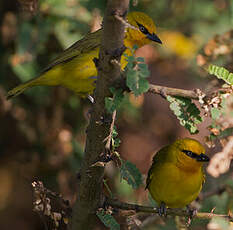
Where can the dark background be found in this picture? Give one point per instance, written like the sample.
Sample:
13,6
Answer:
42,132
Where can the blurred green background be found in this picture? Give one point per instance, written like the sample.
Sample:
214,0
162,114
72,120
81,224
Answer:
42,132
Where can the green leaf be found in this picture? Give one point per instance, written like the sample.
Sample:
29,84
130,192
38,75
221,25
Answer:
131,174
223,134
186,112
140,59
221,73
115,140
137,72
215,113
142,66
113,103
108,220
131,59
135,47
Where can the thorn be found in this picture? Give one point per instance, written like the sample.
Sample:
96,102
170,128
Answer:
78,176
106,119
96,61
212,210
124,14
163,93
105,158
91,99
118,52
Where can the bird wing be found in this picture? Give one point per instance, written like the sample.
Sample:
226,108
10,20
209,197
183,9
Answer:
158,158
90,42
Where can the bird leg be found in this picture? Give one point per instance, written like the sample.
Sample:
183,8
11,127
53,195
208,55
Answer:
162,209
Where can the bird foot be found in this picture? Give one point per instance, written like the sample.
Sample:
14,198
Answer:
162,209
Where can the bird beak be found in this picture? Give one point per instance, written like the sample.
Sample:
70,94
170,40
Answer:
154,37
203,158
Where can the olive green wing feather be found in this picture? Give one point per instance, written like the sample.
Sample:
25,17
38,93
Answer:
90,42
158,158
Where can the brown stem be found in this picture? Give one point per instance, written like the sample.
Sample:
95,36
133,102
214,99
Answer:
158,89
89,195
109,137
163,91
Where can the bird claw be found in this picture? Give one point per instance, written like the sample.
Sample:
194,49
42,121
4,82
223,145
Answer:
162,209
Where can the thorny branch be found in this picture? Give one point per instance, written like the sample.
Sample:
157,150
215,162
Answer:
51,207
172,212
109,137
164,91
195,94
89,195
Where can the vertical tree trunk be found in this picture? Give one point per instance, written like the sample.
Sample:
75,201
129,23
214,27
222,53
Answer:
90,185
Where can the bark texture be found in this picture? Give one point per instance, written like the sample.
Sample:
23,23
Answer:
89,194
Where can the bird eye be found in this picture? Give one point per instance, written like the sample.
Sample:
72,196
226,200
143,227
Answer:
189,153
142,28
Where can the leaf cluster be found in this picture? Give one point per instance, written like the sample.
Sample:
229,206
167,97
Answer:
108,220
221,73
137,74
186,112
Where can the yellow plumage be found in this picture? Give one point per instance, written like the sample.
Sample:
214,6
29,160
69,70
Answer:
176,176
75,69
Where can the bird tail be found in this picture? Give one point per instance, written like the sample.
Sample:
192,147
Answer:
38,81
22,87
18,90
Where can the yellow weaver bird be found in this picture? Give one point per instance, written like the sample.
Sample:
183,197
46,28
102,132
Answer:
75,69
176,176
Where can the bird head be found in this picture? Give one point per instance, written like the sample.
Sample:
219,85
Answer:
190,153
141,30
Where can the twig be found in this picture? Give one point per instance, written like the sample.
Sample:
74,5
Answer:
109,137
51,207
160,90
172,212
125,22
163,90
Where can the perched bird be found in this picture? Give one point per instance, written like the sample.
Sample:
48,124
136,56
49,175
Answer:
75,69
176,176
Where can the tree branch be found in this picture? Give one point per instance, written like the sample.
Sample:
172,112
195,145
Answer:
172,212
89,195
163,91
